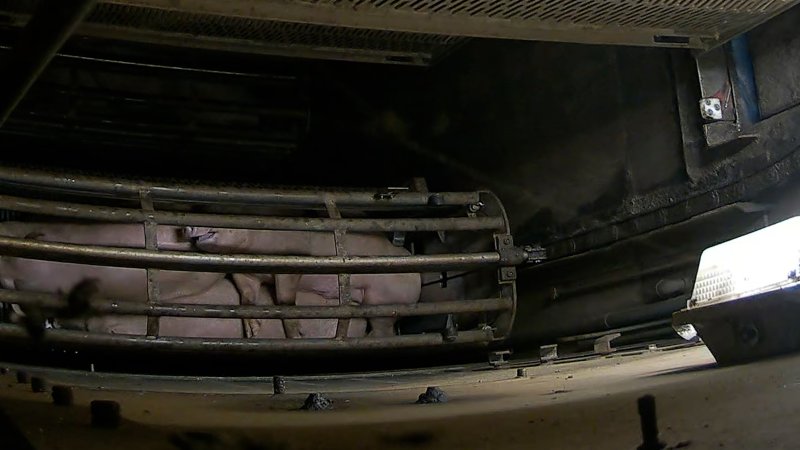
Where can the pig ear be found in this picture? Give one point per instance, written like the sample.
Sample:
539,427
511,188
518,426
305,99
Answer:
193,232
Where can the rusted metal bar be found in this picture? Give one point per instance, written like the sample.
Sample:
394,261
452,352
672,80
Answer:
151,243
116,188
343,279
126,215
47,30
204,262
52,302
239,346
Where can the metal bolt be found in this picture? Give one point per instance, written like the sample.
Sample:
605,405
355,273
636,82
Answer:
718,107
278,385
62,395
708,102
475,207
507,241
105,413
522,373
23,377
38,384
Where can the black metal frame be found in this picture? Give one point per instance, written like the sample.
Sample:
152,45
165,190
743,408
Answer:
47,30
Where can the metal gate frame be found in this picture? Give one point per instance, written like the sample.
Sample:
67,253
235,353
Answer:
479,211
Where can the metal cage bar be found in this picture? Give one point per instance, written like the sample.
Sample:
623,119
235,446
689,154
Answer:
130,215
190,261
77,184
491,220
52,302
239,346
151,243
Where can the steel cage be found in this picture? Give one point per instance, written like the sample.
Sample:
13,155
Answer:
415,211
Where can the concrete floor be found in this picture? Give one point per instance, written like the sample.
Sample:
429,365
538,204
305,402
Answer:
585,404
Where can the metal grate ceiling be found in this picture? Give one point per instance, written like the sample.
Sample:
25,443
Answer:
251,35
416,31
693,23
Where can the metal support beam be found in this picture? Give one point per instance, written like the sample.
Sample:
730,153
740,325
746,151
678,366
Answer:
48,29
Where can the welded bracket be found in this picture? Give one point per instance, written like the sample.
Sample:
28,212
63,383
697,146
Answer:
729,99
498,359
151,243
509,256
602,345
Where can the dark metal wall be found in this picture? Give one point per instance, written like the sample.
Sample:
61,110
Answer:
584,144
561,132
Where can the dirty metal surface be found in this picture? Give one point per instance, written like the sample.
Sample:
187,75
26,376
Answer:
695,23
595,400
416,33
197,28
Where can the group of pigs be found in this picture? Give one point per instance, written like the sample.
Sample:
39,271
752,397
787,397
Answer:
126,284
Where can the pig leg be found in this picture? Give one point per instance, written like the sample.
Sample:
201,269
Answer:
325,328
268,328
286,294
381,326
388,289
249,288
253,292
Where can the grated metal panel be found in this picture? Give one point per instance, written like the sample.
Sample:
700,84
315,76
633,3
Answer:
252,35
248,29
694,23
415,31
712,283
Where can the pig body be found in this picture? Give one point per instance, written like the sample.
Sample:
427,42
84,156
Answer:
119,283
220,293
104,235
368,289
113,282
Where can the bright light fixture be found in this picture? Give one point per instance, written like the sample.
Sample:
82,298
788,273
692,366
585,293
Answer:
763,261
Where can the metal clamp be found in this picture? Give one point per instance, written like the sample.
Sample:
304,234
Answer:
535,254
